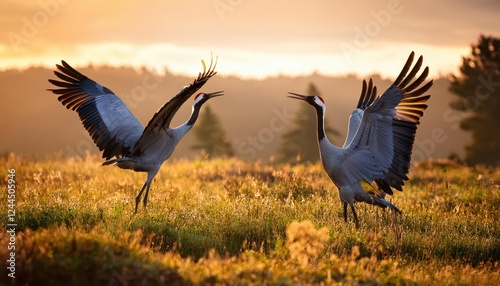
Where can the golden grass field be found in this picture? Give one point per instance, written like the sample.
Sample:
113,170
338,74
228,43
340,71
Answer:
230,222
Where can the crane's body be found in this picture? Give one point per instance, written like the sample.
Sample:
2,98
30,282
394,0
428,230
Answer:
379,141
117,132
150,155
155,154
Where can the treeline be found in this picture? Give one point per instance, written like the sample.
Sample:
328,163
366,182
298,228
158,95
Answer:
255,119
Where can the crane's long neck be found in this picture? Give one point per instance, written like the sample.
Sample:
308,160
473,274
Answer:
181,130
326,149
194,115
320,113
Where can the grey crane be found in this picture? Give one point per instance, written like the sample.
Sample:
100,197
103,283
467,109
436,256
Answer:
117,132
379,140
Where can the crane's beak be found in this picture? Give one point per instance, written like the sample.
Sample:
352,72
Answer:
298,96
214,94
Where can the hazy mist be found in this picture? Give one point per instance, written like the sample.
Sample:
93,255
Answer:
254,113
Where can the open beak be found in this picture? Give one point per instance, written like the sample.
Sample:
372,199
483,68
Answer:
298,96
214,94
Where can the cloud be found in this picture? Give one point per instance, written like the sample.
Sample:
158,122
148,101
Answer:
157,32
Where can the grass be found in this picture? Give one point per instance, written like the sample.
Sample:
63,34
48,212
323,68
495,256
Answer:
226,221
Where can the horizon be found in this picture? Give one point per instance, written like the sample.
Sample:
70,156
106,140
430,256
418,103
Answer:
166,70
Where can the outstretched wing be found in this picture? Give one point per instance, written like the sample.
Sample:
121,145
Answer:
381,148
113,128
162,118
367,97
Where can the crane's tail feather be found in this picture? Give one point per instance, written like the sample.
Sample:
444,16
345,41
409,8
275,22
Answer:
382,203
126,163
109,162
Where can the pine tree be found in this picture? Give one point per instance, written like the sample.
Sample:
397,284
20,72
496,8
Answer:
211,136
300,142
478,89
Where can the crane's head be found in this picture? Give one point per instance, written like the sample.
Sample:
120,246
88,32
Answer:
201,97
314,100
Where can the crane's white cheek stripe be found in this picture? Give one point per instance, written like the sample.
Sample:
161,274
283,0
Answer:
198,99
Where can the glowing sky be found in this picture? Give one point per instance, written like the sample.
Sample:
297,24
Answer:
253,38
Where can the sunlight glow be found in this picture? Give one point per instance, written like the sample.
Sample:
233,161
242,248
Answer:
385,60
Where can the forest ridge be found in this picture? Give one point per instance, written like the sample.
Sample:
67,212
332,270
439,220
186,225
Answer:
254,113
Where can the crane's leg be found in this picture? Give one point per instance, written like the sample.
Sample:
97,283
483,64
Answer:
355,216
151,174
138,198
145,201
345,211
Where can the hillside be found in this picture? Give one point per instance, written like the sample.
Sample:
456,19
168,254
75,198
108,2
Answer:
254,112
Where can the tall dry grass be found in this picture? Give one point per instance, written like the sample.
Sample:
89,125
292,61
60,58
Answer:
227,221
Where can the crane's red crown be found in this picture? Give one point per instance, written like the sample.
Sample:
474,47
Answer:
198,95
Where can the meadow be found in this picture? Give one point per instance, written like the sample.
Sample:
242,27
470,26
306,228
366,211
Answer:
230,222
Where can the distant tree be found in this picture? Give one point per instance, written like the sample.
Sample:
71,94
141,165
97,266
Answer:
478,89
211,136
300,142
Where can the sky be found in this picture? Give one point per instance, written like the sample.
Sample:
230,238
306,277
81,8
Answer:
252,38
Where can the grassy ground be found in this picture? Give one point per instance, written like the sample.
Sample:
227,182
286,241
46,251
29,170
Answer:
232,222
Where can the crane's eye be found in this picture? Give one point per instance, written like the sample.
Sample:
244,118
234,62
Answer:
320,98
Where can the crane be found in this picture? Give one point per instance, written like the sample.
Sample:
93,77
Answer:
117,132
379,141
